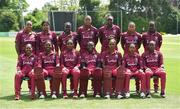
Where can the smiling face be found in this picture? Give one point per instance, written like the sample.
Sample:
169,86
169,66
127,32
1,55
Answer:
70,44
131,48
112,44
48,46
45,26
28,49
28,26
152,45
131,27
88,20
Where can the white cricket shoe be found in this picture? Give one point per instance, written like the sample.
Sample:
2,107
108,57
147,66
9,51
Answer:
127,95
119,96
97,96
107,96
142,95
53,96
41,96
82,96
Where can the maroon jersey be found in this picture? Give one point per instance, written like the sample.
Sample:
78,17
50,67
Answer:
147,37
26,63
105,33
48,61
70,59
85,35
152,60
132,62
42,37
128,39
23,38
64,38
90,59
113,60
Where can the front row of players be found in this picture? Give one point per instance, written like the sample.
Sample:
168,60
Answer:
110,71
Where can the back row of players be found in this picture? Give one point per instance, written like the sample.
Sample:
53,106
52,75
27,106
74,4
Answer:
41,50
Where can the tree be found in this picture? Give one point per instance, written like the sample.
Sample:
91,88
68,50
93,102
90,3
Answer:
8,21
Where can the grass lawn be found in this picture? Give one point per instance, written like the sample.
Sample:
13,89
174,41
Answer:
170,49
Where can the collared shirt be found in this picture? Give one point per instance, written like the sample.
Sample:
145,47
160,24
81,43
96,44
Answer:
64,38
42,37
23,38
105,33
70,58
111,59
85,35
128,39
26,63
152,60
132,62
48,61
147,37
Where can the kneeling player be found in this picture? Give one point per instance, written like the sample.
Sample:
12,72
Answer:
25,65
90,66
133,64
111,60
153,65
70,66
48,60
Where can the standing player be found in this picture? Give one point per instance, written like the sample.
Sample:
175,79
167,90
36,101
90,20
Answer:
107,31
25,65
152,35
44,36
133,64
48,60
70,66
131,37
90,67
153,65
65,36
112,59
87,33
26,36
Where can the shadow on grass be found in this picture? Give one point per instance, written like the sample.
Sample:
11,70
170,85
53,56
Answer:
23,97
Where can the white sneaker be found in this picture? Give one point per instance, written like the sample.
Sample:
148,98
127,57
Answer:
97,96
54,96
142,95
82,96
107,96
75,96
119,96
127,95
41,96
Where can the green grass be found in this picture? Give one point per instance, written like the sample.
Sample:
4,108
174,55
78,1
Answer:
170,49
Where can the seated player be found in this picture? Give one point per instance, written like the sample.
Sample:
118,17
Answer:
90,67
70,66
153,65
25,65
111,61
48,60
133,64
